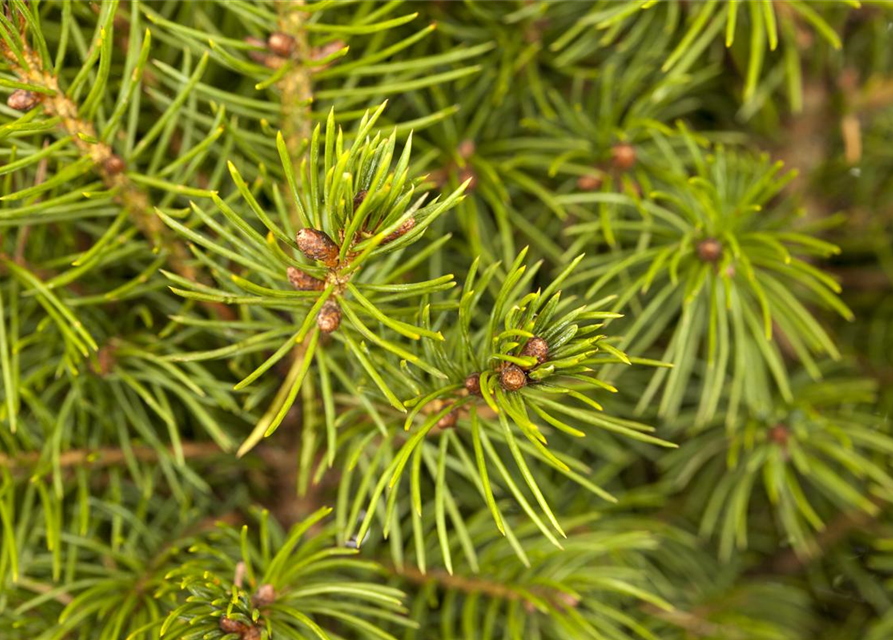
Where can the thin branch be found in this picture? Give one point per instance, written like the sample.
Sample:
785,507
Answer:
297,91
486,587
129,195
105,456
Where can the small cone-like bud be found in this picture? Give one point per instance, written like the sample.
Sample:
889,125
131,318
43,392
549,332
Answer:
589,183
228,625
22,100
257,56
105,360
512,378
709,250
283,45
538,348
473,384
568,600
303,281
448,421
329,317
358,199
468,174
114,165
623,156
318,53
251,633
466,149
316,245
265,595
779,434
403,229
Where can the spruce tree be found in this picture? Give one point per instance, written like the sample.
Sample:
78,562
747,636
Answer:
478,320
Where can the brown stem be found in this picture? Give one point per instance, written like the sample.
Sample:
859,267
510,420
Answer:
296,88
489,588
41,588
459,583
104,457
129,195
693,624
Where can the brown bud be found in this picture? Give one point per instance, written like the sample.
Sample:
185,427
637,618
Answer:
538,348
316,245
251,633
304,282
804,38
448,421
22,100
589,183
623,156
265,595
329,317
282,44
466,149
257,56
473,384
512,378
105,360
358,199
114,165
848,80
228,625
468,174
568,600
709,250
319,53
404,228
779,434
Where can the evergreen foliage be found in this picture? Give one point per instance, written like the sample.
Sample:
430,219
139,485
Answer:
446,320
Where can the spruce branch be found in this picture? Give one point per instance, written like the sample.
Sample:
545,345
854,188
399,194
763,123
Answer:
809,456
355,209
478,414
29,68
513,383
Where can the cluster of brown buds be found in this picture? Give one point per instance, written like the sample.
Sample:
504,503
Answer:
511,376
318,246
244,631
263,597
